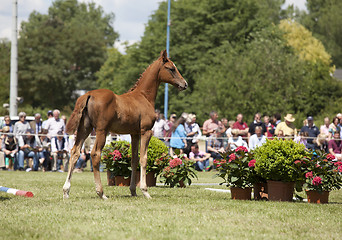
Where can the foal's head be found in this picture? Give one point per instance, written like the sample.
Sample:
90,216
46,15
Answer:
169,73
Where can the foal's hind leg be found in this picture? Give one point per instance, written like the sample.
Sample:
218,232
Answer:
134,164
96,157
75,154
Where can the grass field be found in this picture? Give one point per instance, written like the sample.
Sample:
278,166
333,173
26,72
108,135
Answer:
190,213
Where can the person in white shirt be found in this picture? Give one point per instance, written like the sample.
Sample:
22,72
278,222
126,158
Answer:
59,151
257,139
236,141
55,124
160,126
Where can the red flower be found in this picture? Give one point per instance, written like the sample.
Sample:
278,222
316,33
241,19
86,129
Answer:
330,156
338,163
175,162
309,175
232,157
339,168
241,148
116,155
297,162
251,163
316,181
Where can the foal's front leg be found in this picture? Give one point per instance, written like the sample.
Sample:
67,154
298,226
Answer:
134,164
145,139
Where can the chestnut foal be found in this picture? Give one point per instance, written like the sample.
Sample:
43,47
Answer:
130,113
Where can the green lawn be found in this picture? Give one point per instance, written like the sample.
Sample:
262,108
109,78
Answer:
190,213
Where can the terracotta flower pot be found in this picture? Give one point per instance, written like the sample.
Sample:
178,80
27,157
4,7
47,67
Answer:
110,179
151,179
260,191
182,184
122,181
317,197
280,191
241,193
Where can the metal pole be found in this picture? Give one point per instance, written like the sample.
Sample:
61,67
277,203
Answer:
14,61
166,96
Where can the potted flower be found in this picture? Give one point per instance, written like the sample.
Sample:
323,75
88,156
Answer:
117,159
178,171
322,174
237,170
277,161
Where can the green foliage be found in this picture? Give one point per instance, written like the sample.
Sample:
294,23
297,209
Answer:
179,171
157,156
60,52
117,158
5,55
275,160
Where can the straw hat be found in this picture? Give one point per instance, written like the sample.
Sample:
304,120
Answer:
289,118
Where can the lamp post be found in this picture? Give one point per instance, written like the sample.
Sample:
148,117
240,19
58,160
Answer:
166,95
14,61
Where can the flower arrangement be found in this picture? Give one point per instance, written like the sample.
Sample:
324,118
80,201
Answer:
237,168
280,160
322,172
117,158
157,156
179,169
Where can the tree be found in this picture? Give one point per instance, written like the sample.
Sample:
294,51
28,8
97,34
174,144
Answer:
61,51
5,55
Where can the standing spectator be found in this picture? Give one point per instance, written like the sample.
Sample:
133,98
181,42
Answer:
159,126
230,127
287,127
333,127
28,148
212,124
201,158
59,151
241,126
36,124
335,146
224,122
178,136
236,141
269,127
312,131
257,139
170,123
192,129
325,127
7,122
21,127
256,123
276,119
49,115
10,149
55,124
216,145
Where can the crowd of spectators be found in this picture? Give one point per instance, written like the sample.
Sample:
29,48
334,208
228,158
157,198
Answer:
223,135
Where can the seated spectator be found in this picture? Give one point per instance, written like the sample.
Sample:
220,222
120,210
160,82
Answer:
312,131
325,127
322,142
256,123
287,127
281,134
236,141
59,151
10,149
335,146
7,123
160,126
21,127
178,136
333,127
230,128
302,138
270,128
193,131
241,126
201,158
216,144
36,124
257,139
28,148
44,145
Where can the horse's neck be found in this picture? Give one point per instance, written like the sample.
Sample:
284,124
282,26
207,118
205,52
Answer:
149,83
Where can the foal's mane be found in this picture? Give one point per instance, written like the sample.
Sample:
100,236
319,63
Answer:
141,76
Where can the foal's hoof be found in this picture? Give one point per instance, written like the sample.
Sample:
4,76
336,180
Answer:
104,197
147,195
66,193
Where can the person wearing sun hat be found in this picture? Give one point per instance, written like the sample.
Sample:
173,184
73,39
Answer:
287,126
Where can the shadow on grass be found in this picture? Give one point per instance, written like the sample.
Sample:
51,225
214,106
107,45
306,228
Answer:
2,198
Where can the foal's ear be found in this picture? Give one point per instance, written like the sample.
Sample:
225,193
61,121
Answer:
163,55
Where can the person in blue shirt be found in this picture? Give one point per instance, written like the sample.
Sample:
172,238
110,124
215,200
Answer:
178,136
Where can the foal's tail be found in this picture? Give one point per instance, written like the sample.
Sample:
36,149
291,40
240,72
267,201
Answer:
76,115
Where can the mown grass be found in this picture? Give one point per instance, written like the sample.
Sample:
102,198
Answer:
190,213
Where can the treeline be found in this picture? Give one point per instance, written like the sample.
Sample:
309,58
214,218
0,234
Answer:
237,56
